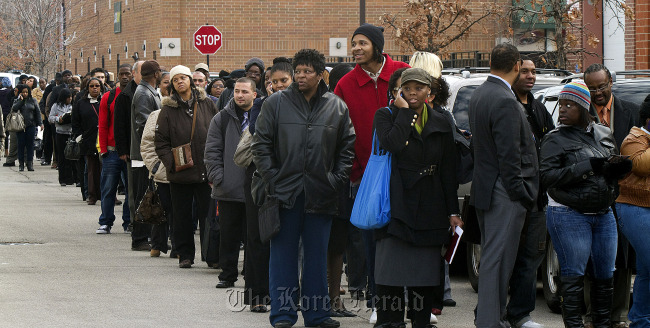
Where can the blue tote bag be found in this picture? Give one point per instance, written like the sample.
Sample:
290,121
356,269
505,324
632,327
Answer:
371,208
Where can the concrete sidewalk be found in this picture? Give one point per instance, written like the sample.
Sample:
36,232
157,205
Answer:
56,272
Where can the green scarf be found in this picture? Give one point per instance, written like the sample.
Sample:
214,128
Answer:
425,116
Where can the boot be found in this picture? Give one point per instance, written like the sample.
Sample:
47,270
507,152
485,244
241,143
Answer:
30,166
602,291
572,298
21,166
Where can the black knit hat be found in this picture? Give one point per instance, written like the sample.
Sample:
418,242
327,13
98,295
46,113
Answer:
372,32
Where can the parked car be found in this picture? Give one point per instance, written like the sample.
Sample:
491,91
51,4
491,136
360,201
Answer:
461,87
15,76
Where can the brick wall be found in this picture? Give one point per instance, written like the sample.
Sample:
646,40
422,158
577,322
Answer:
641,36
261,28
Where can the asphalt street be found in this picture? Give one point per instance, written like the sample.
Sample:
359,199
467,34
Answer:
56,272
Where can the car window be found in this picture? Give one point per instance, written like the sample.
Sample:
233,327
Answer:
633,92
461,106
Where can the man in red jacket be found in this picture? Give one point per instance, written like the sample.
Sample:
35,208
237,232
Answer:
113,168
364,90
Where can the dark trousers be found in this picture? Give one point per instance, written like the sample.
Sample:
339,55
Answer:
160,232
523,283
391,305
48,141
138,181
287,295
183,224
94,169
232,221
67,169
256,262
26,144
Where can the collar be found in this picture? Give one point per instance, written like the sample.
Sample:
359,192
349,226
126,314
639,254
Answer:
375,76
504,81
146,84
644,130
94,100
607,106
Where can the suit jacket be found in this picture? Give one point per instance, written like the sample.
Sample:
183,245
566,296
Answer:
626,116
503,146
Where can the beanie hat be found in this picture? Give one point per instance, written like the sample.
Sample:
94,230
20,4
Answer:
180,69
578,92
201,66
372,32
254,61
67,71
149,67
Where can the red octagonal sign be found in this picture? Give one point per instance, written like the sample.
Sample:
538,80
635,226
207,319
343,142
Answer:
207,39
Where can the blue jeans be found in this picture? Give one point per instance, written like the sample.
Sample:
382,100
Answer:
284,289
26,144
578,237
113,169
634,222
523,283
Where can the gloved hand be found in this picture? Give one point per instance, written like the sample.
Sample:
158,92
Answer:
617,171
598,164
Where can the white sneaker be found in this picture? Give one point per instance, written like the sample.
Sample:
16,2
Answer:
433,319
373,316
103,229
531,324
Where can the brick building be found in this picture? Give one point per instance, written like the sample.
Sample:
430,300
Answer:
163,29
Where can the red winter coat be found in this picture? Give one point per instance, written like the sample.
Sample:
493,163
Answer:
363,99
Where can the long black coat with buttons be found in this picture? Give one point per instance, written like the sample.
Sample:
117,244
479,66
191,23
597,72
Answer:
423,183
566,171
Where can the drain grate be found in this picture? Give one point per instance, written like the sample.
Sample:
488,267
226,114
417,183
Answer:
19,243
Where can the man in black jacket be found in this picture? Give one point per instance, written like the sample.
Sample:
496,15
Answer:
122,133
303,148
505,181
532,247
620,116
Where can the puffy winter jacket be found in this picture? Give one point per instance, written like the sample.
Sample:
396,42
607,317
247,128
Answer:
174,129
567,172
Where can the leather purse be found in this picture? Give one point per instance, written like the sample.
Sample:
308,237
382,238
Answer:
269,217
183,153
150,209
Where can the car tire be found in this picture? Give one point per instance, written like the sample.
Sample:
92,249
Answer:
551,278
473,263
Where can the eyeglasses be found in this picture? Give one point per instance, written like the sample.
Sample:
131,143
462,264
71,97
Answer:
601,89
253,74
306,71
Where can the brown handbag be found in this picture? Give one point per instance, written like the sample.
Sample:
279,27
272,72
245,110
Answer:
183,153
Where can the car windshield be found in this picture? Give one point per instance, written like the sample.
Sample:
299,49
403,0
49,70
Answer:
461,104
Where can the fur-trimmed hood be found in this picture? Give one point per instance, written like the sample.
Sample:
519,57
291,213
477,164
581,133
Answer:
171,101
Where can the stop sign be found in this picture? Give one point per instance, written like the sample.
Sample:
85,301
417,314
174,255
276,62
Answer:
207,39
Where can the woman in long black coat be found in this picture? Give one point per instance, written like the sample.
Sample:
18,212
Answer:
423,198
85,119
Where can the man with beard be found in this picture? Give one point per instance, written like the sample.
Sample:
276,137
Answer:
532,247
505,181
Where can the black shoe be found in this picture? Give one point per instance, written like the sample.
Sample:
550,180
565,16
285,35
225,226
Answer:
449,302
9,164
329,323
342,314
141,247
185,264
261,308
283,324
30,166
357,295
43,163
21,167
63,184
225,284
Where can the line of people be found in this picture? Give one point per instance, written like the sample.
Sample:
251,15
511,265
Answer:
218,147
